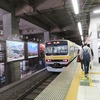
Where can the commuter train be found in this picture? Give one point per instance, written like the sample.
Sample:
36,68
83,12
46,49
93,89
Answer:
58,53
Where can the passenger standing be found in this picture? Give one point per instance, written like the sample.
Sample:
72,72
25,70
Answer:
86,56
92,56
81,60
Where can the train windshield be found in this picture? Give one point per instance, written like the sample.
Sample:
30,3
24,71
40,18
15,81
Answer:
57,48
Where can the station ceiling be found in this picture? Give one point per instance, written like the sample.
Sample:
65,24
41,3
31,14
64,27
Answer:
55,16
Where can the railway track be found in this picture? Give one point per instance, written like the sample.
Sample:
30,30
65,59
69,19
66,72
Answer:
36,89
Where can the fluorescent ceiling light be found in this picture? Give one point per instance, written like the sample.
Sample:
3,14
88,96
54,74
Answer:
80,28
96,11
82,38
75,6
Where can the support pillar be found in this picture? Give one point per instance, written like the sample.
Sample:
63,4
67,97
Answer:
10,26
11,32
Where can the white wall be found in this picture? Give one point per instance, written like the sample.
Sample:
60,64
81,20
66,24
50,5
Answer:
93,28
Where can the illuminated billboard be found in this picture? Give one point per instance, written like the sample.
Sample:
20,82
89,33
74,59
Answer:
15,50
32,49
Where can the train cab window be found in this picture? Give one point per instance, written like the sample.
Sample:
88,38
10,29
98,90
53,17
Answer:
57,49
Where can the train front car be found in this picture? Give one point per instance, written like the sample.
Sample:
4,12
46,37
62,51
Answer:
57,55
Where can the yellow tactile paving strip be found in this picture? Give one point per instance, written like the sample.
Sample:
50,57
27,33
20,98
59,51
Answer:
94,73
90,79
72,93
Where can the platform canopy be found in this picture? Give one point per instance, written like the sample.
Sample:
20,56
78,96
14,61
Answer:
55,16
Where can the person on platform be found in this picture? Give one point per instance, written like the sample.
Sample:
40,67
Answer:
86,56
79,58
92,56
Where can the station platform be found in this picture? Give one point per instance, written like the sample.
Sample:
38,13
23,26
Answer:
89,88
72,85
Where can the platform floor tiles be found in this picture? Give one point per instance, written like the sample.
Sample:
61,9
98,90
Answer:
89,88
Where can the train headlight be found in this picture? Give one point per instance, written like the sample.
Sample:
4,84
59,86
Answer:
65,60
48,60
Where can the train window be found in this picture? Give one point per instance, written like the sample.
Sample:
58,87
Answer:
57,50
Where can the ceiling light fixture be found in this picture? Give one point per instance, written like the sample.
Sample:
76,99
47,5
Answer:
75,6
96,11
82,38
80,28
